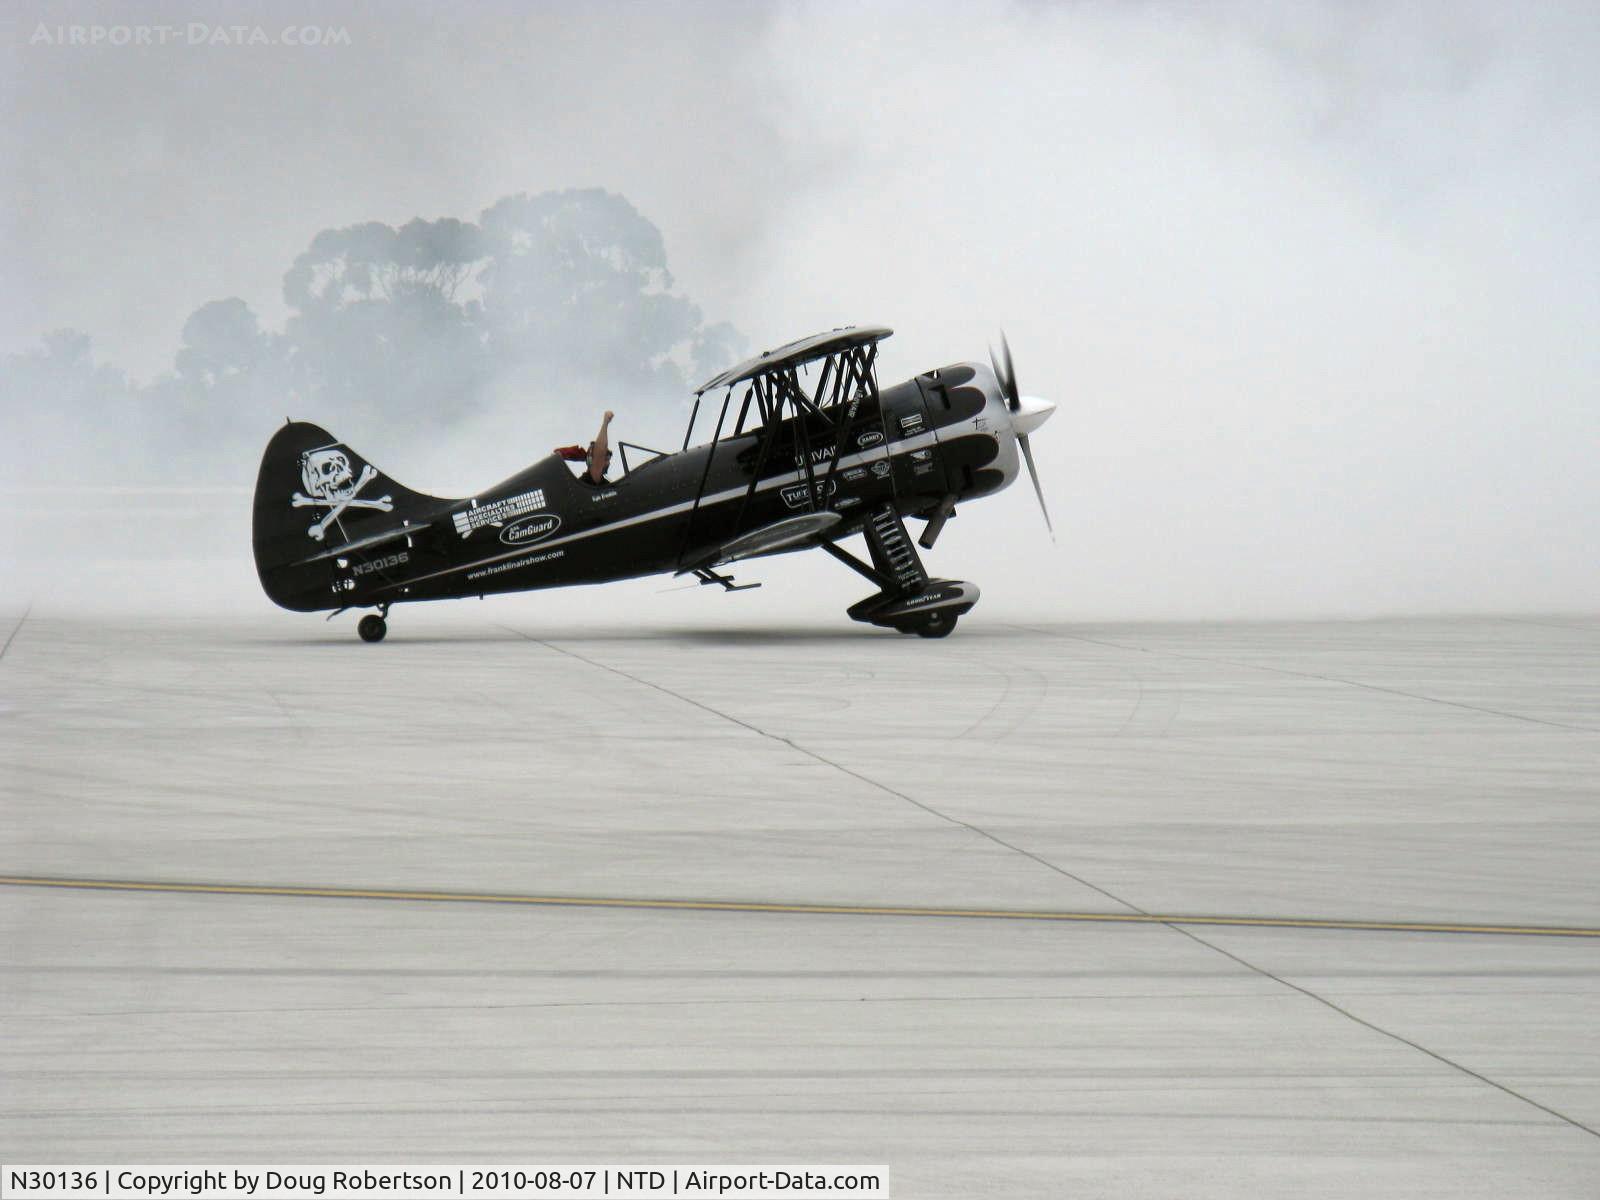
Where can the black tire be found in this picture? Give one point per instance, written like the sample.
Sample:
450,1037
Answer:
372,628
937,625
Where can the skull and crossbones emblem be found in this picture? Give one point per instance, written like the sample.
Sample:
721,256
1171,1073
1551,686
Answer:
329,482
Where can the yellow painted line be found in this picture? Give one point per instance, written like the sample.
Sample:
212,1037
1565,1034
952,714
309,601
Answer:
753,906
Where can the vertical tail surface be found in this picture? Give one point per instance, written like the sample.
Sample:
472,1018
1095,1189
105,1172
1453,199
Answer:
315,494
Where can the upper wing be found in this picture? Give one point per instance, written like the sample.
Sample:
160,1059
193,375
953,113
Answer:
807,349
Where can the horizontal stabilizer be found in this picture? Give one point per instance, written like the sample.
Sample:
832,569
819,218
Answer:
368,542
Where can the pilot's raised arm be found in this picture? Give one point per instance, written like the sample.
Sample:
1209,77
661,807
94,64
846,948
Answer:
600,451
597,458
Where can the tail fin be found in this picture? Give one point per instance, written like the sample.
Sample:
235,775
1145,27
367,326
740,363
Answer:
314,494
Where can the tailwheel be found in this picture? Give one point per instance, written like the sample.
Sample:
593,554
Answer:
937,625
372,627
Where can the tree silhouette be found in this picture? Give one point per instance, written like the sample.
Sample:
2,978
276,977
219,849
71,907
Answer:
561,301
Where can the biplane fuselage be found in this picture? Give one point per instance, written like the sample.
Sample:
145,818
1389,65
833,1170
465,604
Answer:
784,474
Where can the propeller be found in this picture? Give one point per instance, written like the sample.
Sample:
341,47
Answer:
1023,419
1008,377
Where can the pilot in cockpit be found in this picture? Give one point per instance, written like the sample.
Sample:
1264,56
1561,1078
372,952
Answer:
597,458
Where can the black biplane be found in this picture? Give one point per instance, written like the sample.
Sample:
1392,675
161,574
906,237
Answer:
787,468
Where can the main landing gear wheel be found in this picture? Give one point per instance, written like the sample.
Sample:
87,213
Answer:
937,625
372,627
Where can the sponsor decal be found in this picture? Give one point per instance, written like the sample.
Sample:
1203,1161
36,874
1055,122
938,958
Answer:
525,531
498,512
911,424
847,502
871,437
381,564
922,469
329,482
820,455
611,495
855,473
881,469
921,455
515,563
795,494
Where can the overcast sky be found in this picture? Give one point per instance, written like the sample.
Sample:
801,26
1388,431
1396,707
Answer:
1315,286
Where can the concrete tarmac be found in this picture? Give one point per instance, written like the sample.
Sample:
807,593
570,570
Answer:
1432,771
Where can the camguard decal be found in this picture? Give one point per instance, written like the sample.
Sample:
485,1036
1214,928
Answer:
325,473
527,530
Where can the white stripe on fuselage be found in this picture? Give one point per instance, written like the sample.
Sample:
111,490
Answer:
859,458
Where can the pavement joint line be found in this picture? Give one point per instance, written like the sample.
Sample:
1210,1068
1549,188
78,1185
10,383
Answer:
423,895
1139,914
17,628
1350,1015
877,784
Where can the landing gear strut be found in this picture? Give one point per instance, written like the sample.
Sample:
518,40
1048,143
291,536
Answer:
907,600
372,627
